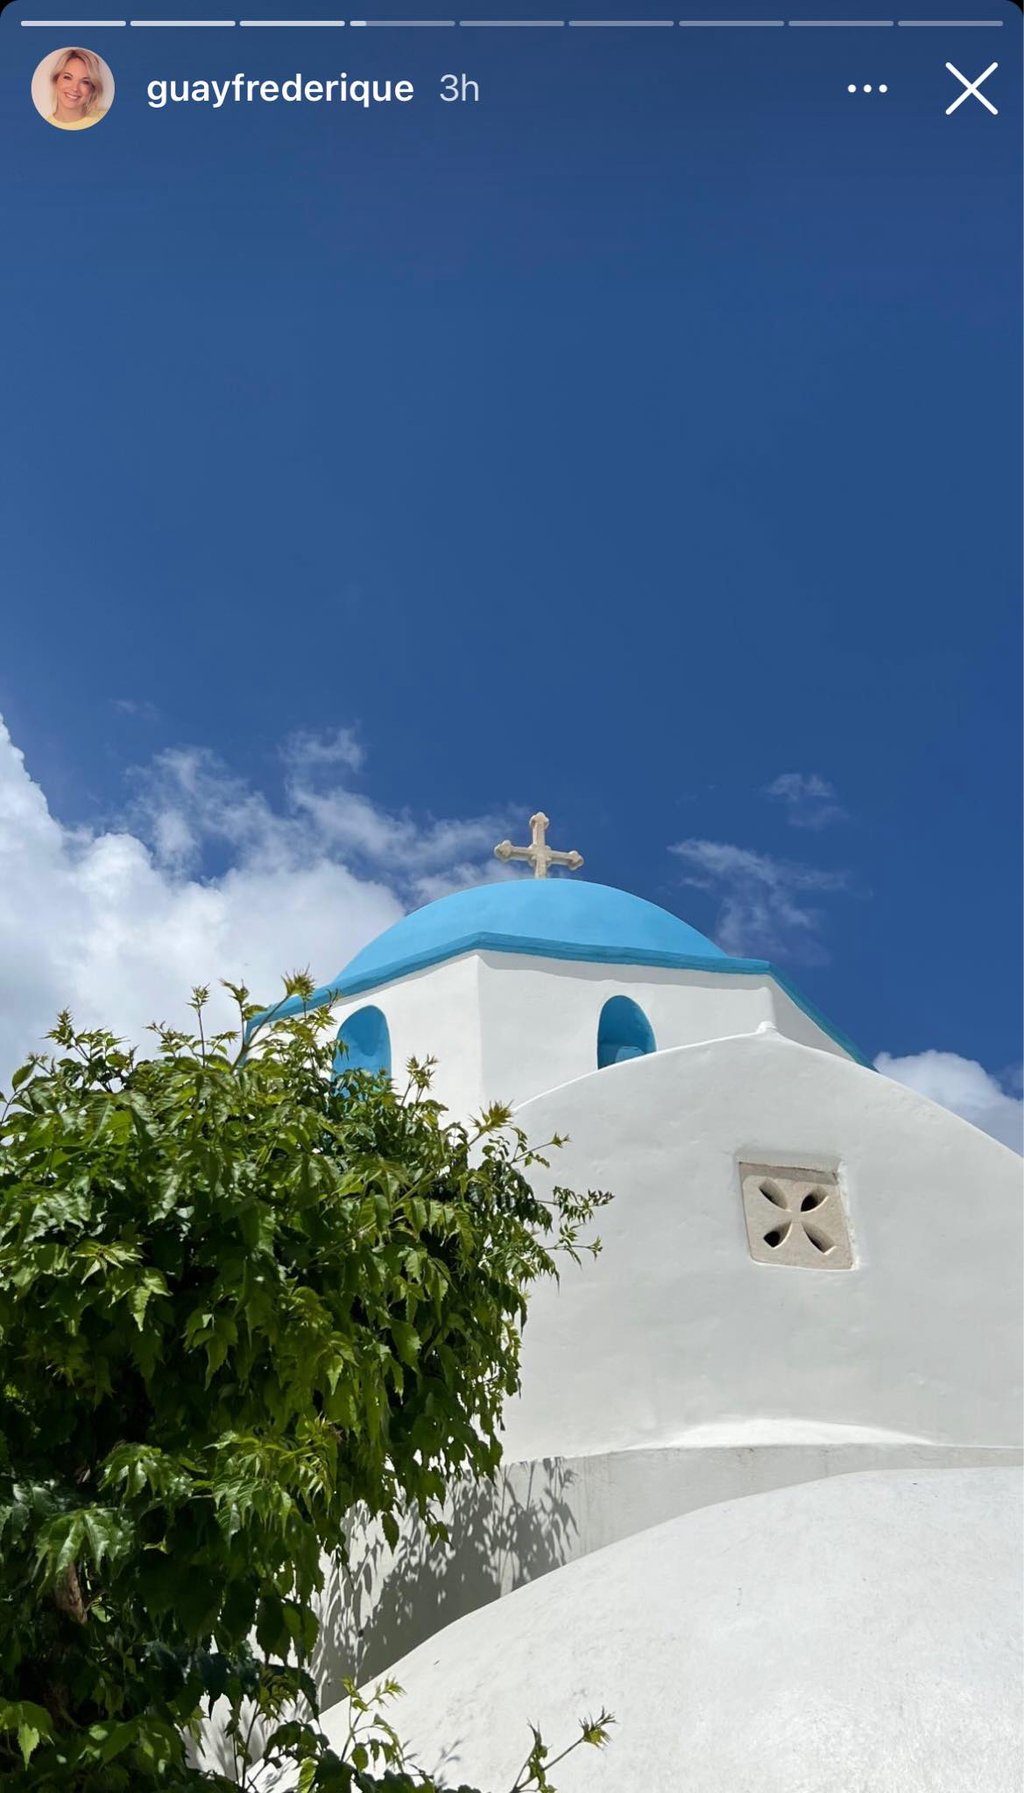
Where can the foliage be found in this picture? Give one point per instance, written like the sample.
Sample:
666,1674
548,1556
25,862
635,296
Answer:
237,1298
373,1744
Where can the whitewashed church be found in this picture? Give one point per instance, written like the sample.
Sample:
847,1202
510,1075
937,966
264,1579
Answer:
760,1498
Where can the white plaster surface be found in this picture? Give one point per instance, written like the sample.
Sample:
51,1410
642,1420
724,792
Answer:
536,1517
859,1635
674,1328
761,1513
504,1027
433,1014
539,1017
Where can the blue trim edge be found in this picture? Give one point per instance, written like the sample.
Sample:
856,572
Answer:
559,949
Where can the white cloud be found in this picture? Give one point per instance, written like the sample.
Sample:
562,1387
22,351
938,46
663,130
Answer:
964,1086
809,799
335,747
764,907
138,707
118,923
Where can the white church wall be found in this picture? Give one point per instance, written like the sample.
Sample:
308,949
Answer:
675,1329
434,1013
536,1517
539,1017
506,1027
791,1020
861,1632
675,1372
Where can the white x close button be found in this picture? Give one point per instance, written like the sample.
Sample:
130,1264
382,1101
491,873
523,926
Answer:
971,88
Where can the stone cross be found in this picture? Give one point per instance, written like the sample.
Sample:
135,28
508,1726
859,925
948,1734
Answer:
538,853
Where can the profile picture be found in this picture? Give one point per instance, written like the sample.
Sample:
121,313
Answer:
72,89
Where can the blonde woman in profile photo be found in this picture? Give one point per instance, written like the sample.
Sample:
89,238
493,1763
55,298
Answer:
79,83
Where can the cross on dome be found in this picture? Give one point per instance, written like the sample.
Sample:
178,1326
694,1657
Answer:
538,853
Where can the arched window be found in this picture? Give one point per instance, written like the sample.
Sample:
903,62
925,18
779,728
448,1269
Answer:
366,1042
623,1032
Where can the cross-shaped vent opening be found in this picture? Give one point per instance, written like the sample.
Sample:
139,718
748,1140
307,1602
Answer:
795,1217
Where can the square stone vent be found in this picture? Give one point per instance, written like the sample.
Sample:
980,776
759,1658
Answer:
795,1217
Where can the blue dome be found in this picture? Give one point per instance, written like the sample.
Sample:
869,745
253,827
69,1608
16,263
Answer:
547,918
551,918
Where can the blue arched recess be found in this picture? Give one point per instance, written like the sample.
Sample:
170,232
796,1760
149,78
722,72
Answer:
366,1042
623,1032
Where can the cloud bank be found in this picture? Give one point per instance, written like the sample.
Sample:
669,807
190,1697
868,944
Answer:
119,923
964,1086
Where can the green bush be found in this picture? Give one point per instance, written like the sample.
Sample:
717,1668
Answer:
237,1299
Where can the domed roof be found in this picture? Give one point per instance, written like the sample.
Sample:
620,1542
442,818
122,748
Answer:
729,1666
551,918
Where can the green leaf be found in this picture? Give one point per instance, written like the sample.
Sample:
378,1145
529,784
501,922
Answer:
407,1342
31,1723
271,1628
29,1738
114,1739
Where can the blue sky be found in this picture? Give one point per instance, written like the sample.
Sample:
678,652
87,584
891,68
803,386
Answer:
639,437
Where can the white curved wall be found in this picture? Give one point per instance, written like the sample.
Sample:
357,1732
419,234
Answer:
674,1335
534,1518
848,1635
